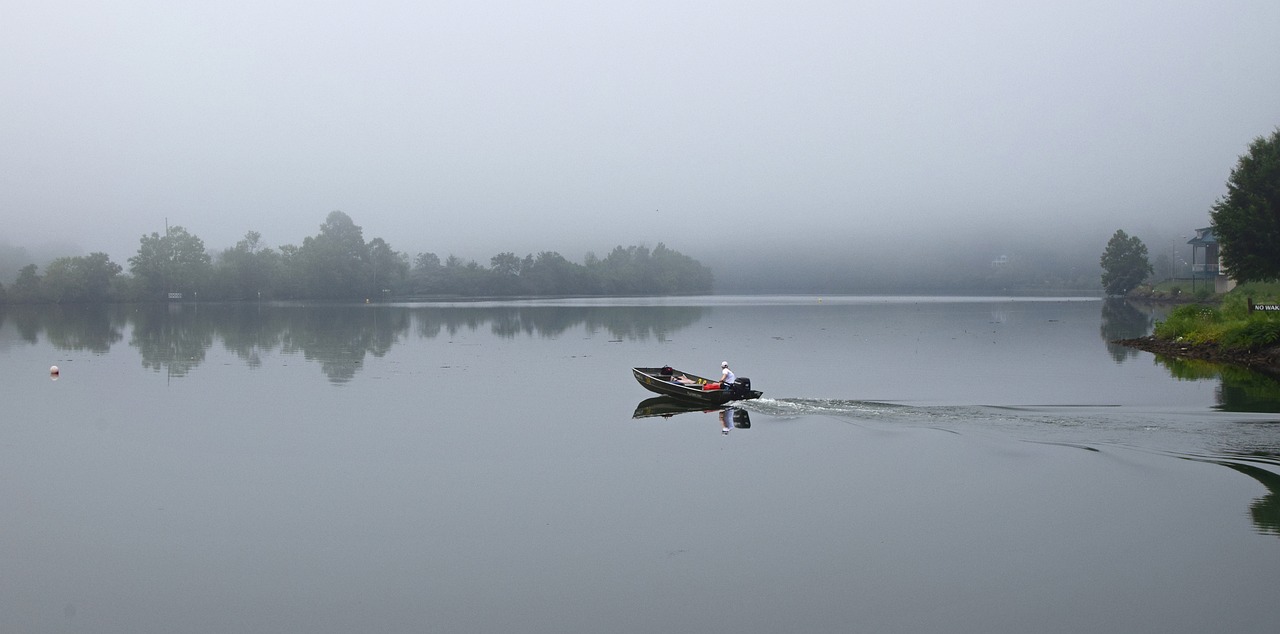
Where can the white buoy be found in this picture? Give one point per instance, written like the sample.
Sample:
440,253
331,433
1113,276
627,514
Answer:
53,372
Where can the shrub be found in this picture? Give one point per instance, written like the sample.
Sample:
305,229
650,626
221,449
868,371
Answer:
1191,320
1259,331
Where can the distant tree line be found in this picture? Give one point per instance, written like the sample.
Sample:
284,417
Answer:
338,264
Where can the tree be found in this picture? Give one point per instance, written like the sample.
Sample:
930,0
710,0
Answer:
249,270
505,264
1124,264
176,261
100,272
80,279
1247,220
390,268
335,263
551,274
26,288
426,262
674,272
63,281
503,276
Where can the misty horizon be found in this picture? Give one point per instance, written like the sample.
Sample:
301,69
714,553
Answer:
737,134
925,262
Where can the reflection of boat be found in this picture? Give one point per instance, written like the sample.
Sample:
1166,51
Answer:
665,381
666,407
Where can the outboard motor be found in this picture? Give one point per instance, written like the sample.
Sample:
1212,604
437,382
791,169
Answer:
741,388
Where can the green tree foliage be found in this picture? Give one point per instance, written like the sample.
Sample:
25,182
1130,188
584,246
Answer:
425,277
1124,264
250,270
505,264
634,270
26,288
426,262
505,276
390,268
80,279
335,263
551,274
63,281
1247,220
291,272
174,262
338,264
88,278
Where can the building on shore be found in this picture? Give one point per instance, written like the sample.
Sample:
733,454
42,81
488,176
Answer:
1206,262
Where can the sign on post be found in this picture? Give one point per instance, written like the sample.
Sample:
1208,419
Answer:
1266,308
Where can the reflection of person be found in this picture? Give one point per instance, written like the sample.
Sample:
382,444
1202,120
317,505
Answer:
726,375
726,420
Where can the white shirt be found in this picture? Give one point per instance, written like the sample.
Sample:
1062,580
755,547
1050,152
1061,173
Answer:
726,375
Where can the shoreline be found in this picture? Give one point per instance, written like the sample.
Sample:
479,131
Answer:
1265,361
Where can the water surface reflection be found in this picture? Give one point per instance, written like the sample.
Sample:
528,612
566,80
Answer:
1122,319
1240,389
730,417
1265,511
175,338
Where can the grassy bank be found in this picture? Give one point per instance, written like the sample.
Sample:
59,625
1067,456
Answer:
1228,324
1182,290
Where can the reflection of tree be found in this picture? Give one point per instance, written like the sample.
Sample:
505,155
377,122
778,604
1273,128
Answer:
1189,369
339,337
171,337
176,337
82,327
1122,320
1247,391
622,322
249,329
1242,390
86,327
1266,509
429,324
644,322
29,320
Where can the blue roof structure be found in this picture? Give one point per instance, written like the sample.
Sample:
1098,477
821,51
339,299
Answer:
1204,237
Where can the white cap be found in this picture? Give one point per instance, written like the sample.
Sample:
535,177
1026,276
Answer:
724,364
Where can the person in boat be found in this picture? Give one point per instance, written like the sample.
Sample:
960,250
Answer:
726,375
684,380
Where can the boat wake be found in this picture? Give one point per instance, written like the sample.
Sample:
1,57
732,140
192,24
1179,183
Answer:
1222,436
1244,443
800,407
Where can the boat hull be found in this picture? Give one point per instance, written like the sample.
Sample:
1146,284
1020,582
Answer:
655,381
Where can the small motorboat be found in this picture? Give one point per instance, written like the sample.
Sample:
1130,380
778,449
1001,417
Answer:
692,388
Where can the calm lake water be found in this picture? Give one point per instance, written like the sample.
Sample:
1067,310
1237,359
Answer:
916,465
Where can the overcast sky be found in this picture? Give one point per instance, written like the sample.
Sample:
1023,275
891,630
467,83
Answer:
716,127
